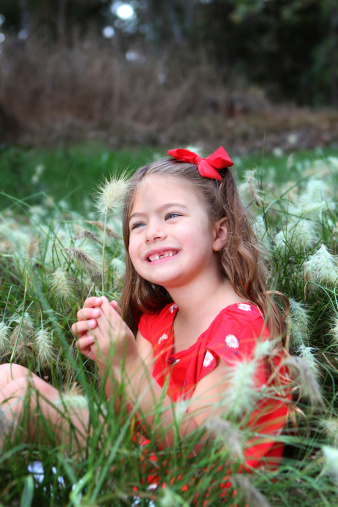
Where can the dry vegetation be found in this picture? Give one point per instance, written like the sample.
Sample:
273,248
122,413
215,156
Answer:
51,93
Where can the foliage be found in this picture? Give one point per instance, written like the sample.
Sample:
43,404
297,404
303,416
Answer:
289,46
295,215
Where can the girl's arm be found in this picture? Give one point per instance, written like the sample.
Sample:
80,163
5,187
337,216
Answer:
112,345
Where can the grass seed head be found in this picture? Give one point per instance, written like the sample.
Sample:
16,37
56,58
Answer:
334,330
61,286
73,401
4,339
263,349
298,236
170,499
259,229
109,231
81,257
244,486
85,234
44,348
331,428
227,433
250,188
299,323
20,342
27,324
315,199
119,267
321,267
307,381
110,194
307,354
239,397
331,461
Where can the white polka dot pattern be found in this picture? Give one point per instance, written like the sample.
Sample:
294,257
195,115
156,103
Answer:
172,308
232,341
208,358
162,338
244,307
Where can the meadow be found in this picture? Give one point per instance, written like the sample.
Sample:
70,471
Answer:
60,240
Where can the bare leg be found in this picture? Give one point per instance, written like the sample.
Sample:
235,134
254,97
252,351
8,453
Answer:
10,372
21,390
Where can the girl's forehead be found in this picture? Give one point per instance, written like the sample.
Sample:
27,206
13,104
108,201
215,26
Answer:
158,187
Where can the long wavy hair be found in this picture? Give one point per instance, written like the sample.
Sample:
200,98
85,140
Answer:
240,260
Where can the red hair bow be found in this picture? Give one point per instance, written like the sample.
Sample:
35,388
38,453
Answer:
207,167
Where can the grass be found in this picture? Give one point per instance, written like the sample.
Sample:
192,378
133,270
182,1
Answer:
70,174
48,267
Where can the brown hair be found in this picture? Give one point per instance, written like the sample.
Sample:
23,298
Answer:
240,260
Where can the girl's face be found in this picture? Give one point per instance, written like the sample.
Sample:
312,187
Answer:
172,242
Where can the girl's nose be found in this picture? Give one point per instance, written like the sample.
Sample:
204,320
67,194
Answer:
155,230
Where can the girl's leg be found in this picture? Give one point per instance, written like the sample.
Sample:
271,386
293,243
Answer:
10,372
27,392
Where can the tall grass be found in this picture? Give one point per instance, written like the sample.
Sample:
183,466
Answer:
52,258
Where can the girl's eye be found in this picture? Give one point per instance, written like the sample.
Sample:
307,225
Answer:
172,215
136,225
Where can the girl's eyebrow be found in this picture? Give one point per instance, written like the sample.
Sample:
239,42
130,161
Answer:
161,208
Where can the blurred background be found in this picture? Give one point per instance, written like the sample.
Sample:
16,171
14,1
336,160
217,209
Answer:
245,73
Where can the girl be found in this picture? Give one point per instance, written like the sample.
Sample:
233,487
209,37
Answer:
194,299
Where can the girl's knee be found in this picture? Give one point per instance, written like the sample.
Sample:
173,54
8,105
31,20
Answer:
10,372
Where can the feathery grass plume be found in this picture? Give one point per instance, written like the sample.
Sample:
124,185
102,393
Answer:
315,199
253,497
4,339
20,338
307,354
61,286
322,267
110,194
181,407
250,188
119,268
170,499
87,235
32,249
331,428
72,399
331,461
81,257
263,349
334,329
109,231
27,323
299,236
259,229
299,323
309,386
226,433
240,395
44,347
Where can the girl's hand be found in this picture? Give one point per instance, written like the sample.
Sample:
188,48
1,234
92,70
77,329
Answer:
101,332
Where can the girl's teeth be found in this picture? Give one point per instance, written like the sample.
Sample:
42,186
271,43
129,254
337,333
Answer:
156,257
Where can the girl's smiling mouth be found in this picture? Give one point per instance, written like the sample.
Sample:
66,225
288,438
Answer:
160,255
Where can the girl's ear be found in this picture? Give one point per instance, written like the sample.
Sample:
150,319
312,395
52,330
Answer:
220,237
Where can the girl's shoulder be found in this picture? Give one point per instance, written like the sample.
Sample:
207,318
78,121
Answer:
236,330
159,321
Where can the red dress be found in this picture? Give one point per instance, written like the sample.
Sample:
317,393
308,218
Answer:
232,337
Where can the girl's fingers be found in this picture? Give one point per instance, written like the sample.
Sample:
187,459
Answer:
83,326
88,313
116,307
85,342
93,302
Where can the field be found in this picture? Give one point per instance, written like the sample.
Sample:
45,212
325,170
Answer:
56,248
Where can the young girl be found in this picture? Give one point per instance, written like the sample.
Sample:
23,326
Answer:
195,307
